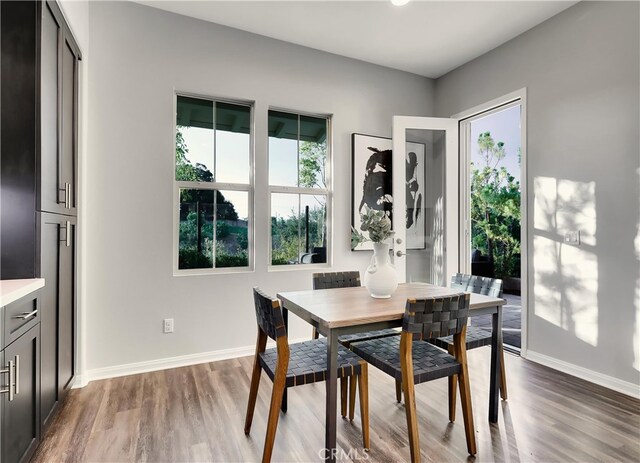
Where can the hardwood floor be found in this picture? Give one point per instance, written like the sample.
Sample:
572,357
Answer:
197,414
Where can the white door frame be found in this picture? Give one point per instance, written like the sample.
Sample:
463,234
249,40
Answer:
521,96
451,189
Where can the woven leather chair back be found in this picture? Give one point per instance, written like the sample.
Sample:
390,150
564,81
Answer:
435,317
478,285
336,280
269,315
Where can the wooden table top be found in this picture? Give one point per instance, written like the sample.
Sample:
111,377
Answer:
335,308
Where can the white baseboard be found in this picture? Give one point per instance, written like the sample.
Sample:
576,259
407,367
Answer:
82,379
609,382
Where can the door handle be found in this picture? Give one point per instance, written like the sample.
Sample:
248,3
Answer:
17,376
400,253
67,233
26,315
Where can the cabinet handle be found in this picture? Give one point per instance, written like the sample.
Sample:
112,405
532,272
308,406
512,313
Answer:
10,387
68,234
7,369
67,195
26,315
17,375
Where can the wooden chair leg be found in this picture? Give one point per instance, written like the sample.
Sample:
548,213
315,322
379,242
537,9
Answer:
363,388
453,380
352,398
406,360
344,382
255,382
465,391
398,391
503,377
279,383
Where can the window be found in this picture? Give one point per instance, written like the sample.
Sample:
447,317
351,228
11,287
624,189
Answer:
299,188
213,184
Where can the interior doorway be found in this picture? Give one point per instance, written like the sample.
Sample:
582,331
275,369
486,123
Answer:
493,206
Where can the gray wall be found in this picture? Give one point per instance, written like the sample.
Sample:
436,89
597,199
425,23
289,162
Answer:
581,70
139,57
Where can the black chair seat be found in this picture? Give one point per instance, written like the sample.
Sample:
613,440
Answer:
308,362
347,339
476,337
429,362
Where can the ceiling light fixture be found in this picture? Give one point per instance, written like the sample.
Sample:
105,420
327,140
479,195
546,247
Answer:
399,2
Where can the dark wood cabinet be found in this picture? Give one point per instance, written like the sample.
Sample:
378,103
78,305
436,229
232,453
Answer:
38,127
39,67
58,82
20,398
57,301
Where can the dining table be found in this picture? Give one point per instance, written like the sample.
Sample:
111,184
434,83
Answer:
342,311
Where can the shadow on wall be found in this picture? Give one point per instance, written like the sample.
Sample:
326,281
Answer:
575,288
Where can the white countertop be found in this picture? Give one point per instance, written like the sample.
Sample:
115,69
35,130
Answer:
12,290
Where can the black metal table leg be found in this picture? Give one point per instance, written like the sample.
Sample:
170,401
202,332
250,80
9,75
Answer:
496,345
332,394
285,316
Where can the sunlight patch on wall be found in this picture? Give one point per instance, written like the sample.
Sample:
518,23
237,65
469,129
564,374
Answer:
566,276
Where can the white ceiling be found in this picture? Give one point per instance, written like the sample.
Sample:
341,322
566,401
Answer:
429,38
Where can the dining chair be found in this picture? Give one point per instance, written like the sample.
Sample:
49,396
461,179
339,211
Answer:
289,365
476,337
413,361
330,280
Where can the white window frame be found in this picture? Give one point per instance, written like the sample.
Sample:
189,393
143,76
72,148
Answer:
249,188
328,192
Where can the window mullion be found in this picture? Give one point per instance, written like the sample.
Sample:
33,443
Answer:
215,228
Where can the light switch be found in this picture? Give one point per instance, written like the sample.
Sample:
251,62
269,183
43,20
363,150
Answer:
572,238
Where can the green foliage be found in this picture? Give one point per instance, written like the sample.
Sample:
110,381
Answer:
224,258
312,164
495,208
288,235
377,223
185,171
190,259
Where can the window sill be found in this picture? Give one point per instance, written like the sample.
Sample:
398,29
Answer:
296,267
205,272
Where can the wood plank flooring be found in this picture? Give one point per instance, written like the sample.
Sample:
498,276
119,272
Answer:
197,414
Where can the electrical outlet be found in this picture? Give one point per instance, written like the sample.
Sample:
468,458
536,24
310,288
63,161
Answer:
167,325
572,238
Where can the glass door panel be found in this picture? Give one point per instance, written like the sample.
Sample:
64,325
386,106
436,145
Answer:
425,171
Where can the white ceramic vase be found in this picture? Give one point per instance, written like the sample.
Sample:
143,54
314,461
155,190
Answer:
381,278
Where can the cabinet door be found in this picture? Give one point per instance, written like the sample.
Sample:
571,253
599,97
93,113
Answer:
20,410
69,125
58,113
52,188
57,308
66,309
50,234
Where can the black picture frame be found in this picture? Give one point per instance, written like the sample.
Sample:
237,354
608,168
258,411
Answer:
360,156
